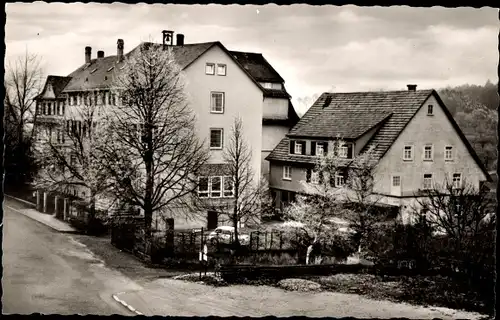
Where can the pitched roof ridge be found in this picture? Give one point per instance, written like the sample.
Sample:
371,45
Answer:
246,52
377,92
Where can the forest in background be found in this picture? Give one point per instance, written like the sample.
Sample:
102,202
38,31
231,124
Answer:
475,109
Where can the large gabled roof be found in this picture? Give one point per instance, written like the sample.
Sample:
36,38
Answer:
257,66
58,84
349,115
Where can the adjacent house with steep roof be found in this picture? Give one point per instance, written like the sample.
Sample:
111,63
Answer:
222,85
413,137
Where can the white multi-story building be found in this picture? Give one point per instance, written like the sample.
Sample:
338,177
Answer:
221,85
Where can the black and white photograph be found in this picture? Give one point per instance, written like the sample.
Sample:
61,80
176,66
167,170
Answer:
250,160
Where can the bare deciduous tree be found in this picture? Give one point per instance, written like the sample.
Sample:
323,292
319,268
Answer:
23,82
245,202
69,154
463,213
155,151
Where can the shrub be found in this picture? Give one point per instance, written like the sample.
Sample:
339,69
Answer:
299,285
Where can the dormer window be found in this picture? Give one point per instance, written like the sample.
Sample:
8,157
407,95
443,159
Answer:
319,148
297,147
346,151
430,110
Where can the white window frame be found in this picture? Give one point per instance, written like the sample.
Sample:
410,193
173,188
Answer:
297,149
276,86
455,185
343,151
339,180
225,69
430,110
411,152
287,173
204,194
212,104
430,183
398,179
314,176
431,152
451,153
320,146
209,64
224,190
220,191
221,138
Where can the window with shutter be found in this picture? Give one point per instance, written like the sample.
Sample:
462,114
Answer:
303,143
292,146
313,148
349,151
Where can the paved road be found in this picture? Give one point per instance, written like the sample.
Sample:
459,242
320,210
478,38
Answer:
48,272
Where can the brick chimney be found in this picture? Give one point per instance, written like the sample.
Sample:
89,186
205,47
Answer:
180,39
412,87
100,54
88,52
119,49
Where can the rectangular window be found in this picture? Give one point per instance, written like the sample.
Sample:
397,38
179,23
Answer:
339,180
320,148
37,108
457,180
428,153
49,108
396,181
448,153
216,187
298,148
276,86
228,187
430,110
427,181
216,138
314,176
210,69
343,151
58,109
221,69
203,187
408,153
217,102
287,173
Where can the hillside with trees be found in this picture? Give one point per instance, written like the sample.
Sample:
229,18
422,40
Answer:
475,108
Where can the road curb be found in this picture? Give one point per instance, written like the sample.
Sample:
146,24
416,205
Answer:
31,204
126,305
43,222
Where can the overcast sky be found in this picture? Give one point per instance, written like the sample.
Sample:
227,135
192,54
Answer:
314,48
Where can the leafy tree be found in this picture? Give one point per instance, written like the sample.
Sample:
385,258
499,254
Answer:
155,151
339,188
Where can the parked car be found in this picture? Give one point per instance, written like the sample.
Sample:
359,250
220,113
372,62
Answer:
225,234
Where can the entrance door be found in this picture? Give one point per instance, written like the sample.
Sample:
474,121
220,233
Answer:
212,220
396,186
